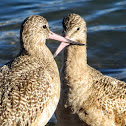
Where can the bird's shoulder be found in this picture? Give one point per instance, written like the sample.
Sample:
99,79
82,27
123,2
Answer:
28,82
109,92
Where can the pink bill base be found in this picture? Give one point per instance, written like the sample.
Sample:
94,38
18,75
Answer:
64,42
54,36
60,48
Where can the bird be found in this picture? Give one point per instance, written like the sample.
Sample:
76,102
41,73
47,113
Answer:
88,97
30,83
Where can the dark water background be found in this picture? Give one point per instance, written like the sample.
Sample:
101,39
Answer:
106,23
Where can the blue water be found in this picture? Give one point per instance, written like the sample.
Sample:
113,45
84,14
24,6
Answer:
106,23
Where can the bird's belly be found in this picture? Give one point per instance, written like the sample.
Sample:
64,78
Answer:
66,117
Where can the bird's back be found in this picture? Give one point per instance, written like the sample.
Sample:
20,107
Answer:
27,90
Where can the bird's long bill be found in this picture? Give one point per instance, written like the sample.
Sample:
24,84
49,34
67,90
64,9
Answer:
64,42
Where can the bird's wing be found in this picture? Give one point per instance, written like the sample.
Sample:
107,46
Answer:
111,93
24,92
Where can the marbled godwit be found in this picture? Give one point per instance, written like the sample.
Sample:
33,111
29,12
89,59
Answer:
30,84
87,96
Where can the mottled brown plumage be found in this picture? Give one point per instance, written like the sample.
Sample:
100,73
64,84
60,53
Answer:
30,84
87,96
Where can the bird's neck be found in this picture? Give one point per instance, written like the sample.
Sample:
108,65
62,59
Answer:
75,56
39,51
74,63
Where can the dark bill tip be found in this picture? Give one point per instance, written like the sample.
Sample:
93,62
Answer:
75,43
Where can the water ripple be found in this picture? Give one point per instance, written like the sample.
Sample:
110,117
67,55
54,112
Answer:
107,28
99,13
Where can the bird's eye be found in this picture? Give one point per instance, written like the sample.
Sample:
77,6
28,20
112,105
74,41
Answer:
44,26
78,29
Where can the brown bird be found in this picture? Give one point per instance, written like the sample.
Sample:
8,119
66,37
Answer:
87,96
30,83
